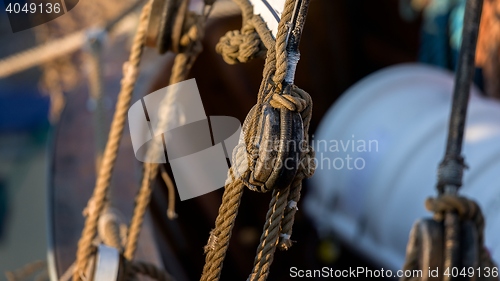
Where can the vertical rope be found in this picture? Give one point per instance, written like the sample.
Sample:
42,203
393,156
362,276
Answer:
270,236
219,237
275,68
191,41
97,202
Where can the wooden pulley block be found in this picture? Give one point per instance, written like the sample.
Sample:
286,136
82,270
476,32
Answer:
426,246
278,141
166,22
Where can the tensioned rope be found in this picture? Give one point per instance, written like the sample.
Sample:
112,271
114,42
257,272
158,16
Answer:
190,46
104,224
97,202
241,46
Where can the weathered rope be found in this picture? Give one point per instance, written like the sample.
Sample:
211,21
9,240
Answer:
218,243
252,41
190,44
241,46
270,235
130,73
171,214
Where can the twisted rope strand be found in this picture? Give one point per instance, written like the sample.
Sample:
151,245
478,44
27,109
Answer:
111,150
219,237
270,235
191,43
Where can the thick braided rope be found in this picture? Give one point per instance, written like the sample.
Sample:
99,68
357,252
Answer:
240,46
218,242
306,168
97,202
270,235
272,228
191,42
216,248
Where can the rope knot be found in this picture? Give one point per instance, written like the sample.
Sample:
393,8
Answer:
192,33
240,46
289,101
465,208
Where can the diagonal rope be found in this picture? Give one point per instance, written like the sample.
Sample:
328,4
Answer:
191,42
97,201
240,47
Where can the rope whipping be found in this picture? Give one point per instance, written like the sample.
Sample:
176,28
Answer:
242,46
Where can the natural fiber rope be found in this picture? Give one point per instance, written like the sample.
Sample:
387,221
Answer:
171,214
241,46
466,209
270,235
130,71
219,237
191,45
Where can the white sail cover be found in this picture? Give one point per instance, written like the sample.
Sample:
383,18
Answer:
378,149
270,11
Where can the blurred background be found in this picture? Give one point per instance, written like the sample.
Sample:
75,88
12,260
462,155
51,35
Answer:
47,143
